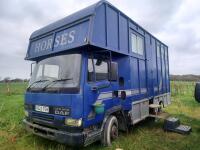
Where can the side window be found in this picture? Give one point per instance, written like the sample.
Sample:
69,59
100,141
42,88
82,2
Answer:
133,43
158,50
140,44
90,70
162,52
166,54
100,70
137,44
90,66
39,72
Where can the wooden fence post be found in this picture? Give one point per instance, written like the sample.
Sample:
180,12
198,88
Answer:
8,87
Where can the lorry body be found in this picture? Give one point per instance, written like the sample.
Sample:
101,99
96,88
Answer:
96,72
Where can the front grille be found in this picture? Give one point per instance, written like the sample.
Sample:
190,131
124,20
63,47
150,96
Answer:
45,117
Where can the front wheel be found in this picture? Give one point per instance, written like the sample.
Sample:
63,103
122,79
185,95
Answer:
110,132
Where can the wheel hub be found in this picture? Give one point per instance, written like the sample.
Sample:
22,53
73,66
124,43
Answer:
114,132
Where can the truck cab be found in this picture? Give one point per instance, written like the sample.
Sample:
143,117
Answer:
95,72
62,92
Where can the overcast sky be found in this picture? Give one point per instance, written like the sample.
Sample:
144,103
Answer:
175,22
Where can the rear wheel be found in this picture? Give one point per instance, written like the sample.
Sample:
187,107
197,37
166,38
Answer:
110,131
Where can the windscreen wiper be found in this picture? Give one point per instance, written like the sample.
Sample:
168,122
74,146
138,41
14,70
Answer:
65,79
36,82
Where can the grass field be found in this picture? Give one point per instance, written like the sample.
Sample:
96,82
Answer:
144,136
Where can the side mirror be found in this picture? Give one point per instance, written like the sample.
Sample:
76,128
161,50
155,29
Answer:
197,92
99,62
32,66
113,71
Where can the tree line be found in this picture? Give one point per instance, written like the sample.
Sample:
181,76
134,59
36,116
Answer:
8,79
189,77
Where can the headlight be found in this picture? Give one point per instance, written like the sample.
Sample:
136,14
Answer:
73,122
26,113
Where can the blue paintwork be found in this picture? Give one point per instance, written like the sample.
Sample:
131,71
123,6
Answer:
74,101
102,26
79,32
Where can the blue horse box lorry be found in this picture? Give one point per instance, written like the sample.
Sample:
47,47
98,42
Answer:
96,72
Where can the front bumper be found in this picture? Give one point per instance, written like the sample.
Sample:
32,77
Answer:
72,139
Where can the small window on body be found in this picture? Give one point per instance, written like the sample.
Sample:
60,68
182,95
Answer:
158,50
166,54
140,45
137,44
134,43
162,51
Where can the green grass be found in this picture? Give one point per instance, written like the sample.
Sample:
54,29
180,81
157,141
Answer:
144,136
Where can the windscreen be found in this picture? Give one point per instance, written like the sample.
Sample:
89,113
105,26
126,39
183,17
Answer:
56,72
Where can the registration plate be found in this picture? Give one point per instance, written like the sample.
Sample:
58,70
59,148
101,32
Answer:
42,108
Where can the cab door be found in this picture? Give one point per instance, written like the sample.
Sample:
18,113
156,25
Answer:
97,87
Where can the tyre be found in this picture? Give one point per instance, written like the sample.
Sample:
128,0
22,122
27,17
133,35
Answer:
110,132
197,92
